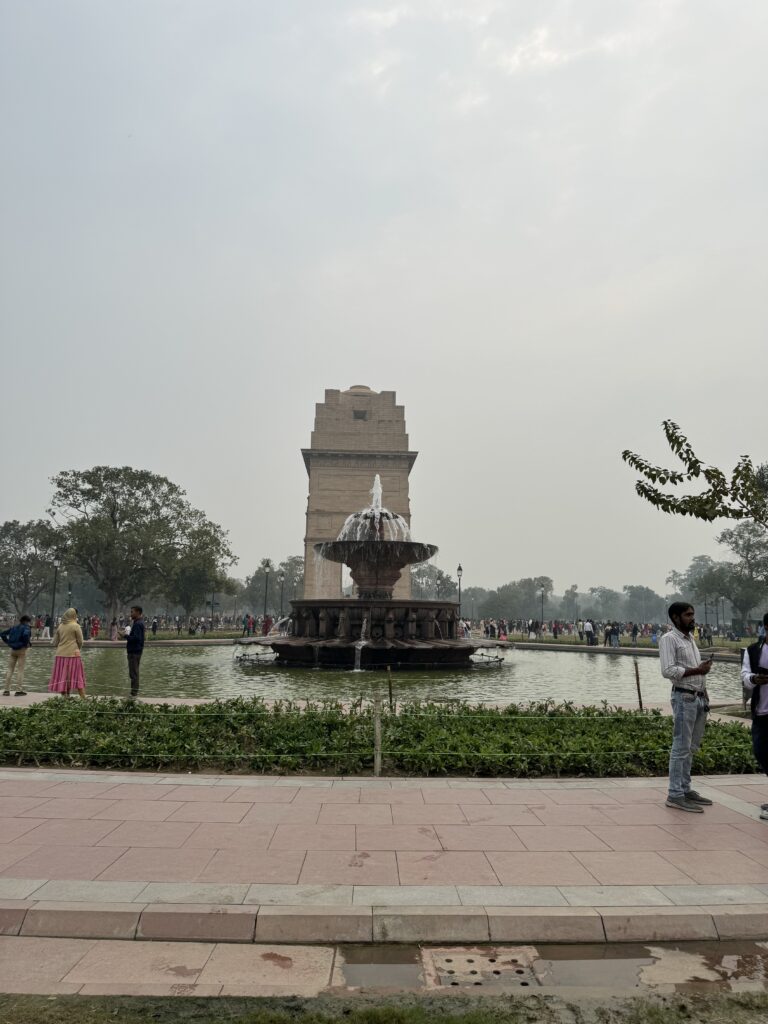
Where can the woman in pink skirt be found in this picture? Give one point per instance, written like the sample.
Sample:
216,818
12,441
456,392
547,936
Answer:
68,672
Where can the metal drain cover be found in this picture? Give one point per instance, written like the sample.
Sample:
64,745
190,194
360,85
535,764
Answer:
480,967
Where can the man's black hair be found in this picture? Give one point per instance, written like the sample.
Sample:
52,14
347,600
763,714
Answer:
137,608
765,620
677,608
26,618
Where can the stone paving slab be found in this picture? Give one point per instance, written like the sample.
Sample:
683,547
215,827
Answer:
317,859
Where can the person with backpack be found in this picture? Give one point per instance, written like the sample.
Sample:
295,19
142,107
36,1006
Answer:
19,639
754,677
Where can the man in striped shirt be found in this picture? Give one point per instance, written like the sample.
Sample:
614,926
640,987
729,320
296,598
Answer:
681,663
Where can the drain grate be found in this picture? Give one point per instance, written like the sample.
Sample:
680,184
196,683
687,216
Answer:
481,968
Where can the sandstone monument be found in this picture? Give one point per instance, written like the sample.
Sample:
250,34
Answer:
359,438
358,433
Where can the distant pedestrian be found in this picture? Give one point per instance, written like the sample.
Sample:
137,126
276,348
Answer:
680,662
135,647
68,673
154,627
19,639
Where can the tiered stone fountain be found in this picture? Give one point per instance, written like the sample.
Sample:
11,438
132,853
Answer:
371,629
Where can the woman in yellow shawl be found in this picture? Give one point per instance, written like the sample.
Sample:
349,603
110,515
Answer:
68,671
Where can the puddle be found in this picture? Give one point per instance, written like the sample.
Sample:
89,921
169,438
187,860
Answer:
684,967
390,966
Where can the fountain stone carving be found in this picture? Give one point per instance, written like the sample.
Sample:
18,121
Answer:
371,629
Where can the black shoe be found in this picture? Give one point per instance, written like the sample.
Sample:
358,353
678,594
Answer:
696,798
20,693
679,803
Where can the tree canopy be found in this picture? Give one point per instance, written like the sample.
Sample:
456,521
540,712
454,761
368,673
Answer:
27,551
742,495
129,530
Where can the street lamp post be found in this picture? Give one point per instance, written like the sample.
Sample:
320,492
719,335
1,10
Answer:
281,579
267,569
459,572
56,564
541,631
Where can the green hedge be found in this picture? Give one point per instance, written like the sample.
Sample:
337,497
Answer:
247,735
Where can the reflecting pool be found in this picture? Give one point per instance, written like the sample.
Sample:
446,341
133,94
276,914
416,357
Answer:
522,676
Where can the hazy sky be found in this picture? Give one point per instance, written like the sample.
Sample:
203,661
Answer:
542,223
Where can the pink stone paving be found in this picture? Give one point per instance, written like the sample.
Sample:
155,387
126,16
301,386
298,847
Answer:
375,867
333,832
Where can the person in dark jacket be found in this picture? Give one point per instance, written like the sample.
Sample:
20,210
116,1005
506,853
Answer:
135,647
754,677
19,639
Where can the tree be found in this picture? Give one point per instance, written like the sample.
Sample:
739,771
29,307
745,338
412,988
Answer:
430,583
742,496
256,587
569,605
27,551
610,602
292,571
745,581
472,599
641,604
199,568
519,599
127,529
704,582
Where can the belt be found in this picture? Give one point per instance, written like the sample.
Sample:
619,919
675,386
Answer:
684,689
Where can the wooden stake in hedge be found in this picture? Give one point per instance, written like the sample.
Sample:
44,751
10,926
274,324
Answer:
377,735
637,683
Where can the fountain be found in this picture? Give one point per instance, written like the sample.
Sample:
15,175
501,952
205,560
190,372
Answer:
372,629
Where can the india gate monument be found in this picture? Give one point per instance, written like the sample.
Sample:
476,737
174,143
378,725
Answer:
357,434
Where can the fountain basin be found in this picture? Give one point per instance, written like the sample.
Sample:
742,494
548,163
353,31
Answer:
407,634
375,565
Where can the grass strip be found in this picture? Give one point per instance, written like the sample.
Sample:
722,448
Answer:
405,1009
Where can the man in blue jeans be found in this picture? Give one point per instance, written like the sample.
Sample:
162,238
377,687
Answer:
681,663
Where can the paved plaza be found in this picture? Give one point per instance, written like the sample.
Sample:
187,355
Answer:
296,859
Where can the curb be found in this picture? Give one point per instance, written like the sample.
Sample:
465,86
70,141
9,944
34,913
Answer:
326,925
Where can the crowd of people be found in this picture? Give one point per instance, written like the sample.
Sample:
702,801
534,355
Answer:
588,631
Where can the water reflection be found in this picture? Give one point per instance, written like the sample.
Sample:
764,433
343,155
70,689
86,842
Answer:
523,676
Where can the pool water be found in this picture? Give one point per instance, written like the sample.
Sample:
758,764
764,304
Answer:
522,676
